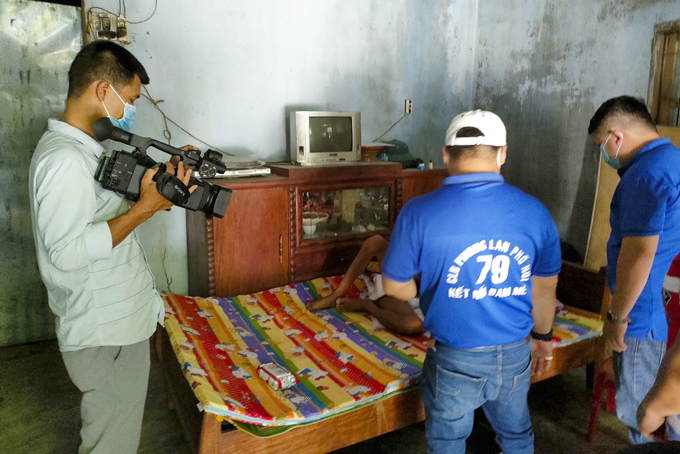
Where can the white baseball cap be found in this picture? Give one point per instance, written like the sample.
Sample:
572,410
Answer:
490,124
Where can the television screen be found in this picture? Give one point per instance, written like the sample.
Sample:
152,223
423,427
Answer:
330,134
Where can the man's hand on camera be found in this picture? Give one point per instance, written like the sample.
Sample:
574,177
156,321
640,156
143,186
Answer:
150,201
176,159
150,198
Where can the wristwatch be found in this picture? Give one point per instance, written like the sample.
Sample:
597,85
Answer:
547,337
615,319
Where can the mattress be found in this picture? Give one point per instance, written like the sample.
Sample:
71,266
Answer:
570,327
342,360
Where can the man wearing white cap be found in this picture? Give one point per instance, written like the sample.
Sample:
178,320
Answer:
488,256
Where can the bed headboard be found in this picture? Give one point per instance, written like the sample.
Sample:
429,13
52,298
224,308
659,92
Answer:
581,287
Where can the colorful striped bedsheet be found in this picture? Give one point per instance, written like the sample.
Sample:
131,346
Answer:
570,327
341,360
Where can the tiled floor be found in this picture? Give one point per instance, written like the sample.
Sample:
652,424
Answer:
39,414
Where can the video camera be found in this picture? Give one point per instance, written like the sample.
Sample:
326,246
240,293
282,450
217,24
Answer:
122,171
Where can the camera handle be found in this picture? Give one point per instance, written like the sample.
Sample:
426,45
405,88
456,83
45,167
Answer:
103,129
171,187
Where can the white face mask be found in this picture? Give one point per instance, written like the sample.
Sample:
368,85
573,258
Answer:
498,159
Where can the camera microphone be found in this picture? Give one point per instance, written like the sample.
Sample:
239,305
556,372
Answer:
103,130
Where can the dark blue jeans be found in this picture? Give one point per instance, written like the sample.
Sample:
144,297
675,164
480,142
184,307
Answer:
635,370
673,427
455,382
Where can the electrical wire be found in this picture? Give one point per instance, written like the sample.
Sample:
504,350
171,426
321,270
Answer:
122,10
105,10
89,23
155,5
166,132
390,128
90,30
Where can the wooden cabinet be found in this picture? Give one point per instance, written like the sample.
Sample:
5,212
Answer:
247,250
268,237
419,182
342,191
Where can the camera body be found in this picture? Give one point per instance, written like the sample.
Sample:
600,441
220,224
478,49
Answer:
122,172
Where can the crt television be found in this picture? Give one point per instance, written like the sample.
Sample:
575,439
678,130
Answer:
318,137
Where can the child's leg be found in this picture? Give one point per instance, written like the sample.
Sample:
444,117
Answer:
375,246
394,314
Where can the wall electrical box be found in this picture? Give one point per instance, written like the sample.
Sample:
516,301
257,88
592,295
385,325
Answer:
110,27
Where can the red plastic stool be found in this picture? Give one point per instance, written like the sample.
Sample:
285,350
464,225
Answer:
671,296
604,382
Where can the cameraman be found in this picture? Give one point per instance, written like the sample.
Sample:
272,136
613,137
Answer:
98,281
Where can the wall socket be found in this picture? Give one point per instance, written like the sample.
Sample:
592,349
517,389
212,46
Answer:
408,106
111,27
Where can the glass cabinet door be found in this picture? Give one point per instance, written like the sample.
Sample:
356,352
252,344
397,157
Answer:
344,212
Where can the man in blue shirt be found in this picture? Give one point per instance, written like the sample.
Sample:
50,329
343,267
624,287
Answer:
645,237
488,256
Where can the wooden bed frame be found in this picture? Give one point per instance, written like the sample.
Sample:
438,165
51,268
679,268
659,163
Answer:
581,289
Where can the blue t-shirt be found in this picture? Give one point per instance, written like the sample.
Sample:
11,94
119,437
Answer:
645,203
476,243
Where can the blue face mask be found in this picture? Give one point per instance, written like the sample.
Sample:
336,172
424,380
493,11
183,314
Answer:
611,162
129,114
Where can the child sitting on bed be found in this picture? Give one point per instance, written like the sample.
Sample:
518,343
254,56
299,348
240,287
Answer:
403,317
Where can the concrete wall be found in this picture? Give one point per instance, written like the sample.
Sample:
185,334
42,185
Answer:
229,71
545,67
38,41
